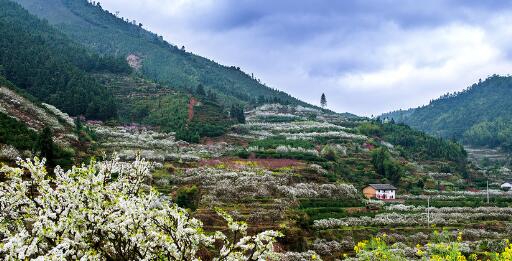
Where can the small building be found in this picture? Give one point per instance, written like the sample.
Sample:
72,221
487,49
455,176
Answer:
507,185
380,191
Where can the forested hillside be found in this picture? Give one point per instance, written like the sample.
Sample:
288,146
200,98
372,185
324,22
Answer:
45,63
108,34
50,67
480,115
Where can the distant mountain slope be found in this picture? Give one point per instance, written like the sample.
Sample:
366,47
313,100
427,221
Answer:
46,64
480,115
107,34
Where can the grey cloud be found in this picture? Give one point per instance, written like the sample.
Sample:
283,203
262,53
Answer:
369,56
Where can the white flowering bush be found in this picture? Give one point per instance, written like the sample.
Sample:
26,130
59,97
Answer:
238,185
313,190
105,211
130,141
8,152
438,216
299,256
64,116
287,149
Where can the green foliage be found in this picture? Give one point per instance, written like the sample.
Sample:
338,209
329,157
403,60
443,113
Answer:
330,153
493,133
283,155
15,133
18,135
187,135
145,102
42,61
275,141
45,146
467,115
386,166
188,197
330,203
415,144
237,113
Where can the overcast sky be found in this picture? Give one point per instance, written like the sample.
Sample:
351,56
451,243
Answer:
369,57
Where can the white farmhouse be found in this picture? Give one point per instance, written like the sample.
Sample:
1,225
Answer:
380,191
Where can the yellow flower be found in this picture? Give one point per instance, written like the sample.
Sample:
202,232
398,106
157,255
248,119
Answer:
459,236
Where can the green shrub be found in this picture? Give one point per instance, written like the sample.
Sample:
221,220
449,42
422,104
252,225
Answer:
188,197
329,152
15,133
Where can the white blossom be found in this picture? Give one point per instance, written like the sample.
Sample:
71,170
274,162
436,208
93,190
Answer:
105,211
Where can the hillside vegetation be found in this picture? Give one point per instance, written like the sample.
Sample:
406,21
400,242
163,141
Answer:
26,127
51,68
45,63
480,115
108,34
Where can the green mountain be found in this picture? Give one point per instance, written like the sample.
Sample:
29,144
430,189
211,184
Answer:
46,64
480,115
108,34
42,61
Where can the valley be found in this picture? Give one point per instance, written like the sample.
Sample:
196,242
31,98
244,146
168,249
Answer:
118,145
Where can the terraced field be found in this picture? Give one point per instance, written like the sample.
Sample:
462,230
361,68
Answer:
301,171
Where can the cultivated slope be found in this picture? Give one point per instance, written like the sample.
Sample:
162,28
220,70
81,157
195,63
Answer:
22,117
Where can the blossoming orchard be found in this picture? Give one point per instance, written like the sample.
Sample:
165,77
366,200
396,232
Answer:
285,185
105,211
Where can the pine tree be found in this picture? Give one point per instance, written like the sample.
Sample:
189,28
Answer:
323,101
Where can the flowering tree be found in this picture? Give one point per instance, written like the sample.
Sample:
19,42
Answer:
105,211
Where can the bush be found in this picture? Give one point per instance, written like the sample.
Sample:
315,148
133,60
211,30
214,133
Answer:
188,197
330,153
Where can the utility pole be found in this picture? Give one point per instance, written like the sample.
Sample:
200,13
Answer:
428,211
487,191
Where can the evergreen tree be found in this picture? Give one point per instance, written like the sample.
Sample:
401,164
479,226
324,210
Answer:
200,90
323,101
237,113
386,166
44,146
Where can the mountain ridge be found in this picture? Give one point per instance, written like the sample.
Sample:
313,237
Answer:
465,115
105,33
